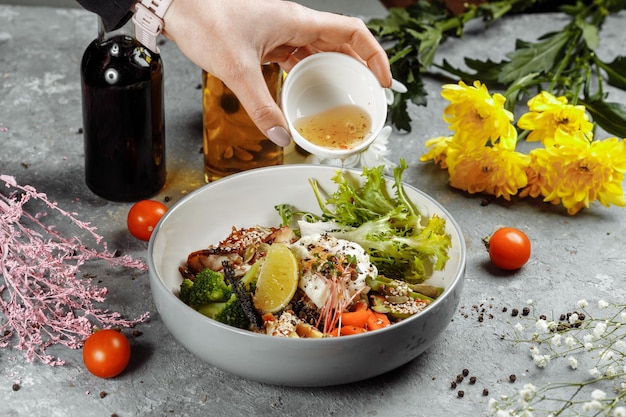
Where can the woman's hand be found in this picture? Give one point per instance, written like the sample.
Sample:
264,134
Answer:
232,38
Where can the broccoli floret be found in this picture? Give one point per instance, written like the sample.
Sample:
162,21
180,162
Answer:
208,287
210,294
186,289
228,312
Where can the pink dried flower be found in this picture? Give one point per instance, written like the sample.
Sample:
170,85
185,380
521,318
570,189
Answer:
42,300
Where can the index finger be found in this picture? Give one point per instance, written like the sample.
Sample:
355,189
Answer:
337,31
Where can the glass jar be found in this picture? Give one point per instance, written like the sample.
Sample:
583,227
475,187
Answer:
232,142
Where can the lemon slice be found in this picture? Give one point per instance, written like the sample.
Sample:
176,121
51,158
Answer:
277,281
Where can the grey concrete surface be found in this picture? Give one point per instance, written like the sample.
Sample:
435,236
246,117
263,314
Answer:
40,119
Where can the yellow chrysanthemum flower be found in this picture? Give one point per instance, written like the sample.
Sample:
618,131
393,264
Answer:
577,172
536,172
478,117
491,169
438,150
549,114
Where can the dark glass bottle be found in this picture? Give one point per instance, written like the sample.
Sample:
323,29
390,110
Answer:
123,116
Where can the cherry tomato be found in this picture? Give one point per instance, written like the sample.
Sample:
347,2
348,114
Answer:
106,353
509,248
143,216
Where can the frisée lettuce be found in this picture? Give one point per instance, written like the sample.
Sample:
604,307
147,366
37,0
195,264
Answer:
401,242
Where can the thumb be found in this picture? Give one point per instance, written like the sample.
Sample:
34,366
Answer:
254,95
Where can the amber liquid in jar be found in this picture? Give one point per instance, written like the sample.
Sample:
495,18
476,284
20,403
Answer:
232,142
342,127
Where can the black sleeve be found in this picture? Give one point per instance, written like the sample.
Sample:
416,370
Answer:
114,13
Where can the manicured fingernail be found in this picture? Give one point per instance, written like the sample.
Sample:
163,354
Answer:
279,136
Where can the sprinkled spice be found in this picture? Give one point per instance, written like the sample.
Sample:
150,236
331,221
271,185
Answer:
472,380
461,393
103,394
485,392
465,372
512,378
15,387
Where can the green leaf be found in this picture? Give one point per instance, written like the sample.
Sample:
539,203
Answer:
615,71
591,33
486,71
400,116
533,57
608,115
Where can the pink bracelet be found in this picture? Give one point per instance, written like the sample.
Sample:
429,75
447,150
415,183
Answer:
148,19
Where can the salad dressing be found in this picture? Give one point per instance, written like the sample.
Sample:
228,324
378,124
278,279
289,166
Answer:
341,127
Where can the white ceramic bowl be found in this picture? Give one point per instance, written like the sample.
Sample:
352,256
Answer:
247,199
324,81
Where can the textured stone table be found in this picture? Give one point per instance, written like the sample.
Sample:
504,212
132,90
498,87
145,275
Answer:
40,144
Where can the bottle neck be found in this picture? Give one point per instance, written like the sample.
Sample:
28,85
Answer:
126,30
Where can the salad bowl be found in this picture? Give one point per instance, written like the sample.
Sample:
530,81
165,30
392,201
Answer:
248,199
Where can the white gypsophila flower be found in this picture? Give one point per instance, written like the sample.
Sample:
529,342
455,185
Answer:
504,413
527,413
534,351
620,344
522,403
570,341
530,302
619,412
528,392
541,360
542,326
556,340
603,304
598,395
599,330
589,346
595,372
623,316
582,303
610,371
573,362
573,318
592,405
519,327
589,338
493,405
